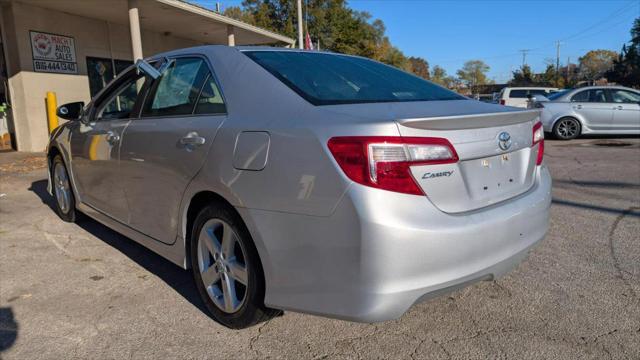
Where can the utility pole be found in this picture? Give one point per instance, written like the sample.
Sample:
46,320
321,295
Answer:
568,72
300,43
524,56
557,62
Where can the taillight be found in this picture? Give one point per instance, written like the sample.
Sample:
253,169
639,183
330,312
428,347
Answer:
538,138
502,102
384,162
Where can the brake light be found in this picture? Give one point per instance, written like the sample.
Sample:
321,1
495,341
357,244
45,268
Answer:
384,162
502,102
538,138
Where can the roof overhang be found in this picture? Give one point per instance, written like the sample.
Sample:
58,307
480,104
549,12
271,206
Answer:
176,17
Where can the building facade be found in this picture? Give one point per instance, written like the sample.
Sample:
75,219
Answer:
74,48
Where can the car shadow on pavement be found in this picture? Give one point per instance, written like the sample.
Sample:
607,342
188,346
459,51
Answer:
8,329
179,279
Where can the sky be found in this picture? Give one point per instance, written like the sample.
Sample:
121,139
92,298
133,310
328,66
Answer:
448,33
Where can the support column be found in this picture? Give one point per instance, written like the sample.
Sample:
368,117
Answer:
231,35
134,28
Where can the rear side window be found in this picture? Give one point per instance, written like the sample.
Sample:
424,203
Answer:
624,96
176,92
329,79
518,94
210,100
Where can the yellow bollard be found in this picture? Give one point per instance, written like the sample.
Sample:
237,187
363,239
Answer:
52,106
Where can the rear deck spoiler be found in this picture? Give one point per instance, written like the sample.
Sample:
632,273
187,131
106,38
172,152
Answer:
473,121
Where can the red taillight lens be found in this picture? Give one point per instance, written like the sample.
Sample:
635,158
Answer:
502,102
538,138
384,162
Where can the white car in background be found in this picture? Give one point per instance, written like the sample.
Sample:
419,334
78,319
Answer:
518,96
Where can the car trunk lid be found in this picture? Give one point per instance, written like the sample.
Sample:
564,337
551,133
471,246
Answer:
486,173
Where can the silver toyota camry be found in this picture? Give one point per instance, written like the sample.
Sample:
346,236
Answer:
306,181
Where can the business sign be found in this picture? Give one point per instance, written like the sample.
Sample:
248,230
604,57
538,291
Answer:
53,53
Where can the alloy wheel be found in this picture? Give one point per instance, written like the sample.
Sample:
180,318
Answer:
61,187
567,129
223,266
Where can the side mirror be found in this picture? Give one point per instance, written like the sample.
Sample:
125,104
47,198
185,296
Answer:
71,111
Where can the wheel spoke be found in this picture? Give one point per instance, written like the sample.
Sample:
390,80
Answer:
228,241
210,276
209,239
238,272
229,293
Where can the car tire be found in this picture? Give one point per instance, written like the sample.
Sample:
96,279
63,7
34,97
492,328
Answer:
567,128
223,256
65,200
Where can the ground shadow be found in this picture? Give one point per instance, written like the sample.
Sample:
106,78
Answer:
179,279
8,329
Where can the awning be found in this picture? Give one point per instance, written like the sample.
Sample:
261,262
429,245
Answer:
176,17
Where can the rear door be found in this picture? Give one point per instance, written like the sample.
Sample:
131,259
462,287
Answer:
594,108
517,98
164,148
626,110
95,146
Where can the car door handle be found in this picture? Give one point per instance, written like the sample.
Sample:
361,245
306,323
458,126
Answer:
112,137
619,107
193,139
578,107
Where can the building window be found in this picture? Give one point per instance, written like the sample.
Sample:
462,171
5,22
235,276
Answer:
100,72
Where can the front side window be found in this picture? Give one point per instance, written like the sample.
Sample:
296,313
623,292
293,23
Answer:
121,103
582,96
330,79
624,96
176,92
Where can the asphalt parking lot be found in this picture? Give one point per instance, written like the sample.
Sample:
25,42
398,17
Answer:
84,291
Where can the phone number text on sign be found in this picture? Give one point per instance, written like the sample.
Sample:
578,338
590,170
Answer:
53,53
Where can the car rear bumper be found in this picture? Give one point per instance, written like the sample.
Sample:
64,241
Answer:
381,252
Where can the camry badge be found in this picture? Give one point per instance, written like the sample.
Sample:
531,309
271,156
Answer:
504,140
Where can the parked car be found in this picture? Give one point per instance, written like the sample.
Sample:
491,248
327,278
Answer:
591,110
518,96
306,181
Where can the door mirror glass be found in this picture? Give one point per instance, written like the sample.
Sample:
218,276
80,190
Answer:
71,111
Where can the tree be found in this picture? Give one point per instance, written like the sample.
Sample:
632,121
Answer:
439,76
473,73
337,27
523,77
420,67
595,63
626,68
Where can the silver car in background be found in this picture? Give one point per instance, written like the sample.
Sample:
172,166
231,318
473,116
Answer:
591,110
306,181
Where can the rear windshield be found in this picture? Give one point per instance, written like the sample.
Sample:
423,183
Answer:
329,79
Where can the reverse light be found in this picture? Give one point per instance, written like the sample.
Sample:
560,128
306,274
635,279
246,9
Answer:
384,162
538,138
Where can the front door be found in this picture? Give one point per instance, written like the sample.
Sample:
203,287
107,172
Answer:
95,147
626,113
163,149
593,106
